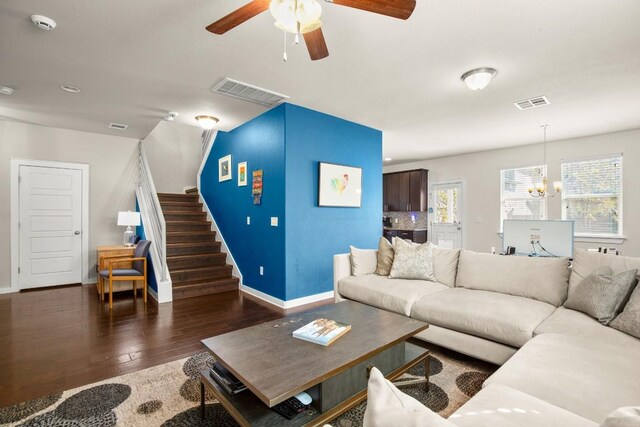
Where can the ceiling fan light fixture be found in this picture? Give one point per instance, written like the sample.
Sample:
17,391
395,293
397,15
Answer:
207,122
308,15
284,12
478,78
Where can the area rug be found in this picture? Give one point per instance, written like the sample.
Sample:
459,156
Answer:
168,395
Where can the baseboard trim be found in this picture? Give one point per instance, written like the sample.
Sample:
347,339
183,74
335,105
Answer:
287,306
7,290
152,294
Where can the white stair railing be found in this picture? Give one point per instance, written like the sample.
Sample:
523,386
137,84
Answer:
154,224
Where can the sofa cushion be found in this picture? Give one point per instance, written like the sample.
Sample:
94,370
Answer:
629,320
603,294
498,317
445,265
397,295
501,406
388,406
567,321
543,279
586,262
412,262
589,375
385,257
363,261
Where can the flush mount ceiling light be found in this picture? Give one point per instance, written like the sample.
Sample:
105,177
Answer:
207,122
478,78
43,22
6,90
70,89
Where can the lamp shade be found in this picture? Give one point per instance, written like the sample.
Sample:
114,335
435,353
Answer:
126,219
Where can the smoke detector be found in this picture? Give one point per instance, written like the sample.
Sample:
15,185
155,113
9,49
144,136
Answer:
170,116
6,90
43,22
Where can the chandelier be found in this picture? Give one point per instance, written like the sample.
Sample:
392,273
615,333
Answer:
541,189
296,17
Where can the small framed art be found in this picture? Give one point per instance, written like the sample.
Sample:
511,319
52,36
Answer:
242,174
224,168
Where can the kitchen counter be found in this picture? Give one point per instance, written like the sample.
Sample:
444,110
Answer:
403,229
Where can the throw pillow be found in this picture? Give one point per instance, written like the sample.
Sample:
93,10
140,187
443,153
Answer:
629,320
385,257
412,262
602,294
628,416
388,406
363,261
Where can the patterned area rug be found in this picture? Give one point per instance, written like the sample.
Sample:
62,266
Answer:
168,395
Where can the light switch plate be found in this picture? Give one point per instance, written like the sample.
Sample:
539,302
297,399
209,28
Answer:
274,221
248,220
261,270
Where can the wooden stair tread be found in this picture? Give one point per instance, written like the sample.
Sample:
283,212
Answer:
190,244
207,282
195,213
203,269
180,257
186,204
189,233
188,222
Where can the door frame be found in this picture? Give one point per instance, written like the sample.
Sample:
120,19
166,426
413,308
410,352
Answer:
15,214
463,206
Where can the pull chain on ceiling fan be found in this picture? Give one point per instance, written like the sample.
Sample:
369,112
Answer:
303,17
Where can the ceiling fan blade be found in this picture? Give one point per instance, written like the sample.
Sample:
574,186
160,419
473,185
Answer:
401,9
239,16
316,44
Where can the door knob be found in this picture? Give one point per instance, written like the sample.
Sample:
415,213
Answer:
77,233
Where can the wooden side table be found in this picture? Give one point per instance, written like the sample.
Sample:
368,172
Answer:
103,251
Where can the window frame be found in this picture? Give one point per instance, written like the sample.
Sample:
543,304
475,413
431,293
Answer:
564,197
543,168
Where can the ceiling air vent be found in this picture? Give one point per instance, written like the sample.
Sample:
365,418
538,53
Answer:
118,126
526,104
248,92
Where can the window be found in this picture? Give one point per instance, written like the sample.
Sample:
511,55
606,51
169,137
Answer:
592,195
446,205
515,200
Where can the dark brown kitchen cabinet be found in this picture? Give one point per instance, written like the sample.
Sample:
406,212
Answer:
416,236
405,191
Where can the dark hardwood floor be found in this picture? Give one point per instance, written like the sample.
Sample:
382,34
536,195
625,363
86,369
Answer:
56,339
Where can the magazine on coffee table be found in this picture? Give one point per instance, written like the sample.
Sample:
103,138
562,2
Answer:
322,331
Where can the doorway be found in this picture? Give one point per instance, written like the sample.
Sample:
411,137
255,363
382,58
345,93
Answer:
447,219
49,224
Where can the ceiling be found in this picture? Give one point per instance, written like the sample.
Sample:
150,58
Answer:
137,60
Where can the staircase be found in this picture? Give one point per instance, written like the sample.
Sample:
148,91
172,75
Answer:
196,265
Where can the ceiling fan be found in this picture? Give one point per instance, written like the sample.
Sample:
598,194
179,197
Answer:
303,17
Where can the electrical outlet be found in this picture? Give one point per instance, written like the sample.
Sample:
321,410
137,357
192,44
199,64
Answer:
248,220
535,238
261,270
274,221
396,220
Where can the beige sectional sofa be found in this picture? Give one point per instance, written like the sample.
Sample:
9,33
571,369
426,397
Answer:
559,367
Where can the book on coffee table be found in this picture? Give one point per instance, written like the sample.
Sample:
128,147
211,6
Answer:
322,331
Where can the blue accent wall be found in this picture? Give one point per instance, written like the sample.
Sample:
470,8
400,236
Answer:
260,143
314,234
152,281
287,142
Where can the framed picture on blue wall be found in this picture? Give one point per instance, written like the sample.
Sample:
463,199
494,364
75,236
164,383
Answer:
339,185
224,168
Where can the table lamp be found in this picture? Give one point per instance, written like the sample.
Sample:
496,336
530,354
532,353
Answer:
128,219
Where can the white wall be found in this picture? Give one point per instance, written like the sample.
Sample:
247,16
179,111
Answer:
482,173
113,170
174,156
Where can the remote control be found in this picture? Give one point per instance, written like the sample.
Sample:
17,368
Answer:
289,408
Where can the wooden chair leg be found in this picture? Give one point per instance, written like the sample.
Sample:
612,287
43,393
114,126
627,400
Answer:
135,290
144,283
110,292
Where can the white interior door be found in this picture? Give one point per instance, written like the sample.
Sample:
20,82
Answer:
50,211
447,216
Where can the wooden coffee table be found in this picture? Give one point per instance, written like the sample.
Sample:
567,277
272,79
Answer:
275,366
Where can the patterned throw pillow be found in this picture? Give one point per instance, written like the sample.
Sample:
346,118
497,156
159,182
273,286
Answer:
412,262
629,320
385,257
602,294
